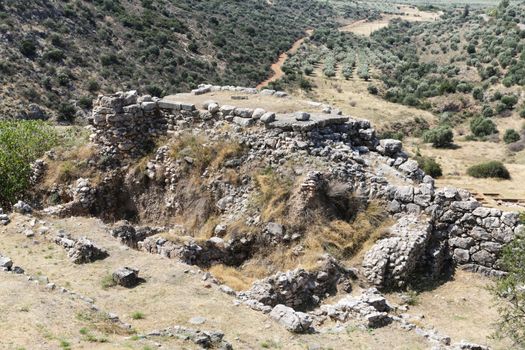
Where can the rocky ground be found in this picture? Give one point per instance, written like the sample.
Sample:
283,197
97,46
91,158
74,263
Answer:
247,227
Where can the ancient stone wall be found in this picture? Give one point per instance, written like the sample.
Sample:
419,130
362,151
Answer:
126,125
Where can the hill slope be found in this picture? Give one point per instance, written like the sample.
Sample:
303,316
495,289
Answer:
59,55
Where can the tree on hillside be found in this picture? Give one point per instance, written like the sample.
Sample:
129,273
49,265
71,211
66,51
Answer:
466,11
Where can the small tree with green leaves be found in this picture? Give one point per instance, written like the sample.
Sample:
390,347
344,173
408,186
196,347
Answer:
510,292
440,137
511,136
21,143
482,126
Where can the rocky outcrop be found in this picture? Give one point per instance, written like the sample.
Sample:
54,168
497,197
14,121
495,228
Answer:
294,321
84,196
210,252
22,208
4,218
204,339
129,235
370,307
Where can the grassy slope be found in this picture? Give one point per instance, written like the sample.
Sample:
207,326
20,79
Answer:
61,54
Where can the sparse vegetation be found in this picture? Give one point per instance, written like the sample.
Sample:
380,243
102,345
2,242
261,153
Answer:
108,282
137,315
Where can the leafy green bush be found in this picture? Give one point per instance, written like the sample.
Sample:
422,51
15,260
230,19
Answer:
21,142
85,102
429,166
93,86
27,48
482,126
511,136
510,293
372,89
478,93
66,112
509,100
440,137
490,169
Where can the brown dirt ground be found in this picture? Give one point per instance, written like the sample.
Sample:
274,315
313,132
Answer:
174,292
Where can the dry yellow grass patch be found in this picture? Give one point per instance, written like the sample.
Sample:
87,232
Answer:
232,277
274,191
71,164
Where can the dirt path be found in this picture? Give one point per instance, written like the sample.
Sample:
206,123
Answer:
360,27
277,67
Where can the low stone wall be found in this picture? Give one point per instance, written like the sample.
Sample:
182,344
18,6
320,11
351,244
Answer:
126,125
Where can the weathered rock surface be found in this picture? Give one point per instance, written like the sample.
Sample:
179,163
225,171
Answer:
126,276
81,251
392,261
294,321
204,339
299,289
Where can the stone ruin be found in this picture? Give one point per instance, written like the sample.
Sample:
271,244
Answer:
436,229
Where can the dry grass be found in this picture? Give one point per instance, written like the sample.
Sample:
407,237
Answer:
274,191
232,277
203,152
344,239
70,164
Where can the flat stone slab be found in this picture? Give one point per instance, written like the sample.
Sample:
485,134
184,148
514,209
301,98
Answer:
288,122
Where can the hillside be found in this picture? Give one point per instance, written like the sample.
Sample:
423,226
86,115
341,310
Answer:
59,55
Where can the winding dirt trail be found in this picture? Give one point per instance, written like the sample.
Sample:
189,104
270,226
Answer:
277,67
359,27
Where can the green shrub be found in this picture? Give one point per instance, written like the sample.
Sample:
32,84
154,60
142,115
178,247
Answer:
478,93
440,137
372,89
93,86
509,100
487,111
511,136
154,90
492,169
66,112
21,142
85,102
108,60
429,166
510,294
55,55
482,126
27,48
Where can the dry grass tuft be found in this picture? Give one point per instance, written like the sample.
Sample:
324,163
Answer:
203,152
274,191
71,164
232,277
